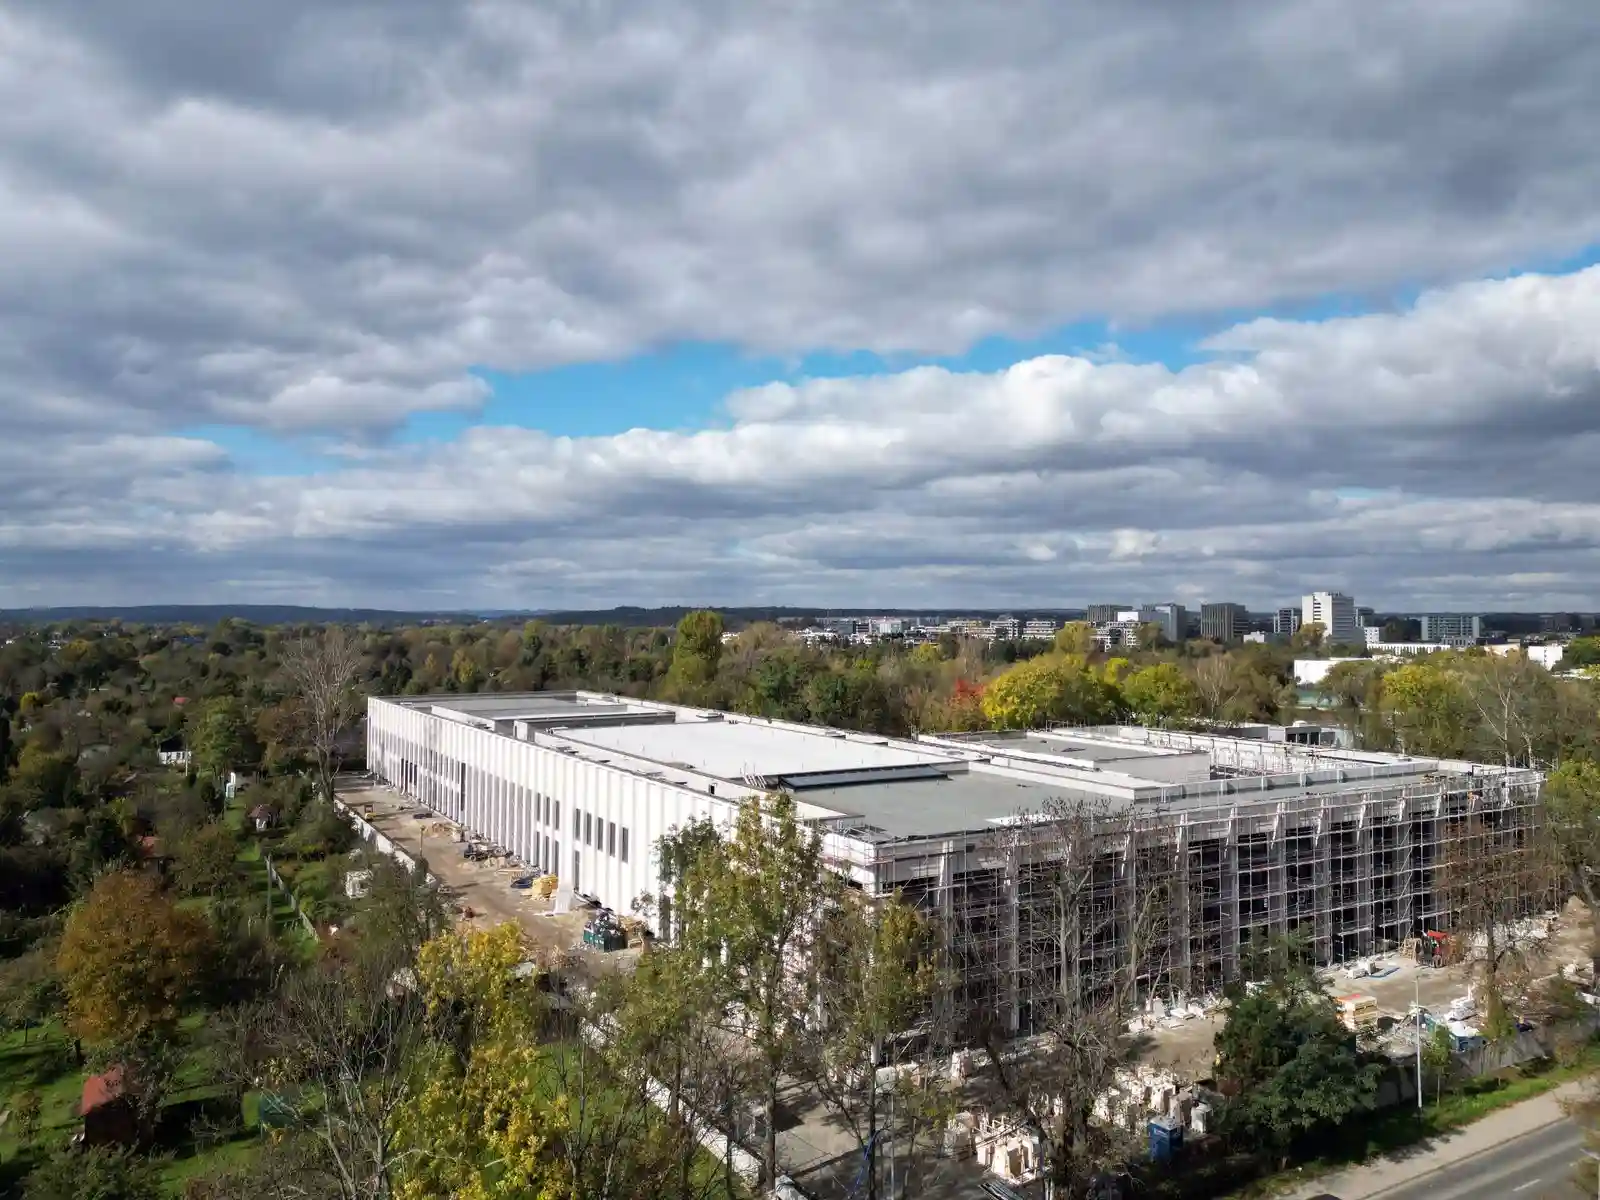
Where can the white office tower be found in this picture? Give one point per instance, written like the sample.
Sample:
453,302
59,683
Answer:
1336,613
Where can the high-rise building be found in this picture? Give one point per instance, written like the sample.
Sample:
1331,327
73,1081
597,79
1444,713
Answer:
1104,614
1224,622
1336,613
1286,622
1451,627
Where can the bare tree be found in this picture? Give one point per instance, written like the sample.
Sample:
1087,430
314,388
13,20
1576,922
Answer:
1491,876
1095,894
1216,683
332,1051
323,669
1514,697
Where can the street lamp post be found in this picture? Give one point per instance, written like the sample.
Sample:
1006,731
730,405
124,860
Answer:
1416,1007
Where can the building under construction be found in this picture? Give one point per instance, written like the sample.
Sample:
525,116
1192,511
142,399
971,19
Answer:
1069,853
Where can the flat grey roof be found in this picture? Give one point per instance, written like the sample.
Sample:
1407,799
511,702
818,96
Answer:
734,749
1042,743
958,802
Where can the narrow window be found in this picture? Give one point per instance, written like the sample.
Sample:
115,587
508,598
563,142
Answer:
624,843
611,838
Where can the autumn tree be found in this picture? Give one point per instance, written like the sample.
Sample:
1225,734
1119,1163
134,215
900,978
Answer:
1094,937
1216,685
885,977
1045,689
1426,710
1161,694
478,1123
322,670
130,959
336,1047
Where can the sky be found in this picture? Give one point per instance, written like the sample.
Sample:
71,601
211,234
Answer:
571,303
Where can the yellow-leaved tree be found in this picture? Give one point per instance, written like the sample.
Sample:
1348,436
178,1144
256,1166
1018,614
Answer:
480,1120
1051,687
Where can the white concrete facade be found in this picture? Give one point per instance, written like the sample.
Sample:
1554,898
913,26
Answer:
1336,613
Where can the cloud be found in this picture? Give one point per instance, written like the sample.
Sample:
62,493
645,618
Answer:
317,220
283,215
1441,456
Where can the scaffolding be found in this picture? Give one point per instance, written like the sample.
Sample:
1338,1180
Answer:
1174,901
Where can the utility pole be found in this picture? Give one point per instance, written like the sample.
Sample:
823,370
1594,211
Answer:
1416,1007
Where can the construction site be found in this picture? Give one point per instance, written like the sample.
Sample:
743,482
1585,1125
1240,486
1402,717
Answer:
1349,855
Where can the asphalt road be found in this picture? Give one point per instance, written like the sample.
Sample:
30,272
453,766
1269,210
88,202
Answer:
1536,1166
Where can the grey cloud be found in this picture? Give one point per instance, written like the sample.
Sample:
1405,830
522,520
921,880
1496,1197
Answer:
1371,454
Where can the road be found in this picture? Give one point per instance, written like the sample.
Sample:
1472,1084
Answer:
1536,1166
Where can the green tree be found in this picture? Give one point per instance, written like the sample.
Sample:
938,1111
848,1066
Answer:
752,903
130,959
95,1174
26,1110
1582,652
696,651
50,777
1293,1066
1310,636
205,859
1572,815
30,989
1075,637
1161,695
221,739
1427,710
1438,1059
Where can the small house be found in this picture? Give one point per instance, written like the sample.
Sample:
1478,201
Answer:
262,817
109,1117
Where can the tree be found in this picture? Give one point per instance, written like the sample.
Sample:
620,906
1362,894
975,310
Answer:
1572,815
1161,695
1043,689
697,651
478,1123
30,989
752,903
1426,710
1075,637
221,738
205,859
1309,636
323,669
1093,937
26,1110
130,959
1438,1058
1216,685
884,976
1581,652
1292,1065
336,1046
94,1174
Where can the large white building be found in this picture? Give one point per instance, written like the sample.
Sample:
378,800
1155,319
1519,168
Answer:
1336,613
1255,837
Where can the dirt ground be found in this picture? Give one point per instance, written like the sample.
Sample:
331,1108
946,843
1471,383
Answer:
481,889
1187,1049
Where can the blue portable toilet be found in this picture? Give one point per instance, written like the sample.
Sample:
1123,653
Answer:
1166,1139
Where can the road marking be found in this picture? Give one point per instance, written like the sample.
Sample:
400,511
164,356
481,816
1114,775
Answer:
1522,1187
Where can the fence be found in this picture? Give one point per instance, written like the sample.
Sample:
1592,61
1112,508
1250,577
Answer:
282,885
379,842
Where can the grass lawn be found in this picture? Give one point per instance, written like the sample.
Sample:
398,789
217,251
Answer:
40,1060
